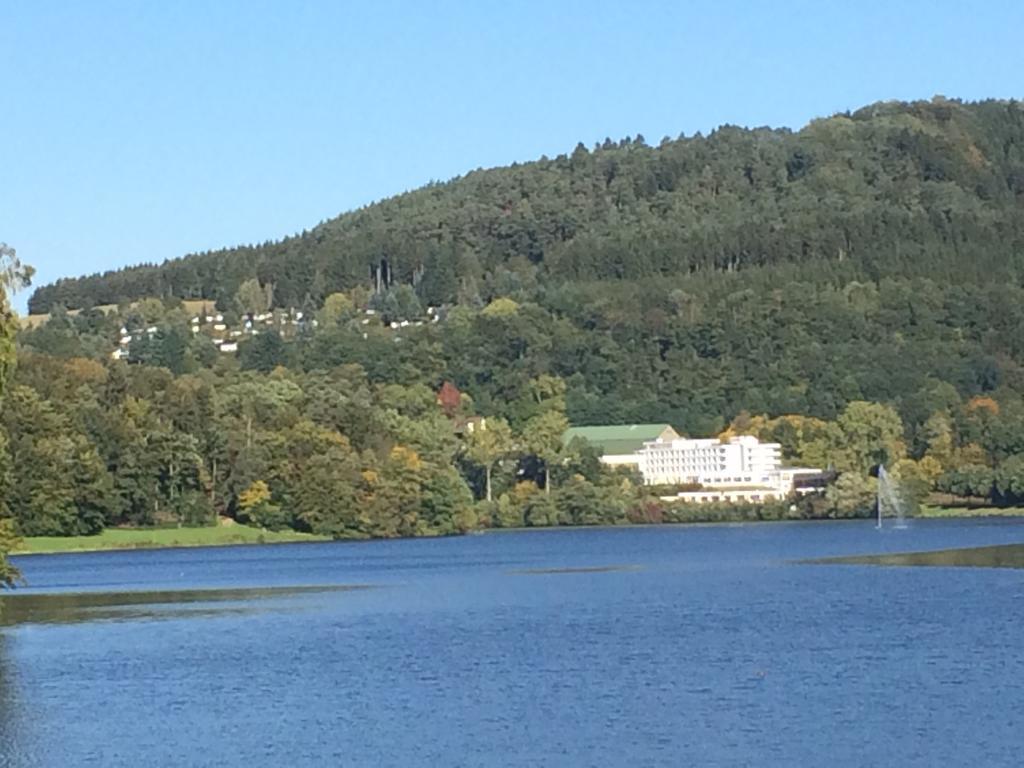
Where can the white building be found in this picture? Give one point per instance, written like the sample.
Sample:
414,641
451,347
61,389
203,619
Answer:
740,469
739,461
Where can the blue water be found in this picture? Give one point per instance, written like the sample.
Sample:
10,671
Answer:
713,648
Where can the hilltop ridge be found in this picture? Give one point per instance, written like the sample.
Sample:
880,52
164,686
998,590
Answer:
885,189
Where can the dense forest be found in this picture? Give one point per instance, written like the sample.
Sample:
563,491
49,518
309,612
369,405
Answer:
353,428
927,189
853,290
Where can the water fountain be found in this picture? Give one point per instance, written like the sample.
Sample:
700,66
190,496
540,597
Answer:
888,501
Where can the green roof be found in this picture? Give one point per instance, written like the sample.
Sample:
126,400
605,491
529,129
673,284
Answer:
621,439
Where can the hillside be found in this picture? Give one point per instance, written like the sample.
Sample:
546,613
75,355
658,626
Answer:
930,188
853,292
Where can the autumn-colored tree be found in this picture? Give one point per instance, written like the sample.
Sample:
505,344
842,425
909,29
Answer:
449,398
256,507
982,403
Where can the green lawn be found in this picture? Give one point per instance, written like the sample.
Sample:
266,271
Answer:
147,538
929,511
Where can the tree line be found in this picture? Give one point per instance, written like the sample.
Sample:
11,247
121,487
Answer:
356,429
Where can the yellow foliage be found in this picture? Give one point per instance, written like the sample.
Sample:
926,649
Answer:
401,454
929,468
254,495
81,369
500,307
745,424
971,454
906,469
524,490
983,403
802,424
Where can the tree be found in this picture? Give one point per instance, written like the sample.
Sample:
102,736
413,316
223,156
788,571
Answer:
500,307
396,494
337,307
937,433
326,496
62,488
543,437
488,443
447,502
970,480
253,298
440,283
852,495
263,353
867,434
316,476
511,507
169,351
540,510
449,398
580,502
1009,479
256,507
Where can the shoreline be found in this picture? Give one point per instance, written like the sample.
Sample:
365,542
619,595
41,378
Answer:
131,539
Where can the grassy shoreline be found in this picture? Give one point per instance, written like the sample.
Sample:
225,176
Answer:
119,539
930,512
125,539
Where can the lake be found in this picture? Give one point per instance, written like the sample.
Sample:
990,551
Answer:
654,646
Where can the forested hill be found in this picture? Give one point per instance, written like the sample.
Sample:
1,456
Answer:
926,188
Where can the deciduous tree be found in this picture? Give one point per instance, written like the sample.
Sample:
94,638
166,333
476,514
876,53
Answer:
488,443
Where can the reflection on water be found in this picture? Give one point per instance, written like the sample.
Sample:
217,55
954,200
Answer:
1003,556
78,607
9,734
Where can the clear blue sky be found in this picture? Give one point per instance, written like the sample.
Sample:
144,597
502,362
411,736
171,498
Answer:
138,131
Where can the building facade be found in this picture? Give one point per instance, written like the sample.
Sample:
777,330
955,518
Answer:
740,469
739,461
737,470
